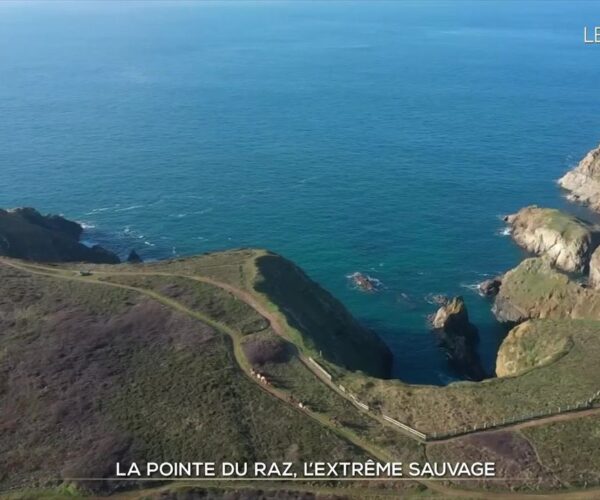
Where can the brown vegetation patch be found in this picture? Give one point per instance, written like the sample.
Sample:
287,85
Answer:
515,459
262,349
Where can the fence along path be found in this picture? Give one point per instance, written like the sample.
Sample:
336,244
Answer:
486,426
553,412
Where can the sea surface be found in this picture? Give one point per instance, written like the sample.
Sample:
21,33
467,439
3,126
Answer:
381,137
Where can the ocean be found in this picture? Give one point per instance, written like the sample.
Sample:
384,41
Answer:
382,137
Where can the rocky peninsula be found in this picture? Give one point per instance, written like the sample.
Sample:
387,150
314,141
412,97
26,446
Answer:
545,296
26,234
567,242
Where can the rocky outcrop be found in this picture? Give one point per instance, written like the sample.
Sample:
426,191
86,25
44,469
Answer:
459,337
27,234
583,182
489,288
134,258
594,279
535,290
566,241
533,344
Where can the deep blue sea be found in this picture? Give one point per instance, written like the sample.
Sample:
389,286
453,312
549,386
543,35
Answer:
382,137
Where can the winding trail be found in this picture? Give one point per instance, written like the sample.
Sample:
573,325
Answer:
278,327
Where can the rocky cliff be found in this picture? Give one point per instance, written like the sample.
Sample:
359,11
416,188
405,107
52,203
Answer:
583,182
27,234
535,290
566,241
459,337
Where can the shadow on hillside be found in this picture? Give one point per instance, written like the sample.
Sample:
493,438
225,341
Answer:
325,324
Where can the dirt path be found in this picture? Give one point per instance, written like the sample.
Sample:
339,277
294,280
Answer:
276,324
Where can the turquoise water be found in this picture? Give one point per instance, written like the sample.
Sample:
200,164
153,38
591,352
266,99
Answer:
386,138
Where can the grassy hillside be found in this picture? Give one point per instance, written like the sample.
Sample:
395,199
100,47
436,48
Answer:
154,361
91,374
315,320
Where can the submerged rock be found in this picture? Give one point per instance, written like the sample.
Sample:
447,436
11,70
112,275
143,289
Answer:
364,282
583,182
27,234
566,241
459,337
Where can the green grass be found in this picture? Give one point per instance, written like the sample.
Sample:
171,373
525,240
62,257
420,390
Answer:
538,290
213,301
569,380
127,371
570,450
176,391
533,344
192,404
568,226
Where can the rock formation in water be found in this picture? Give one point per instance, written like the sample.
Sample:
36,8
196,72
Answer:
459,337
583,182
566,241
26,234
489,288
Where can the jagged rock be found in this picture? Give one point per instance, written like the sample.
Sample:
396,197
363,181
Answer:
134,258
27,234
566,241
583,182
490,288
459,337
52,222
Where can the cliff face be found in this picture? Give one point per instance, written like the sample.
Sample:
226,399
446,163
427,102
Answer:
533,344
28,235
566,241
534,290
323,322
583,182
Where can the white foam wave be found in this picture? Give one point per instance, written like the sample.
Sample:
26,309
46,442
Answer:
473,287
127,209
504,232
